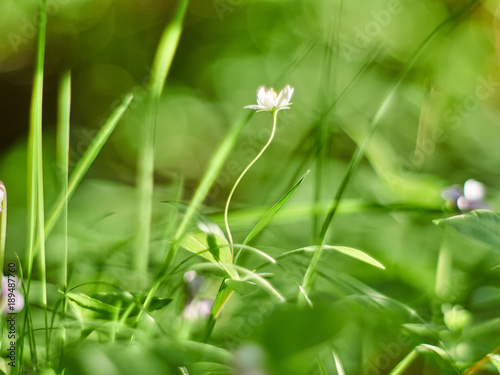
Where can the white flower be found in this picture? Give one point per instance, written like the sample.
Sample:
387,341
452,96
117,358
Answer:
473,190
198,309
471,197
270,100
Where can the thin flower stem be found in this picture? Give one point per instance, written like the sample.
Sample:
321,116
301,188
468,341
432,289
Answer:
275,116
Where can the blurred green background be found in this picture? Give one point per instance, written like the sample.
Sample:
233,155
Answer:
440,129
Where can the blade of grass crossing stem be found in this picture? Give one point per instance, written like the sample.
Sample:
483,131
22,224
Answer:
322,368
338,363
145,177
274,210
35,137
62,159
321,130
360,150
405,363
35,175
206,183
86,161
304,143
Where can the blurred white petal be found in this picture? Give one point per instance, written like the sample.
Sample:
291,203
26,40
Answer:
270,100
473,190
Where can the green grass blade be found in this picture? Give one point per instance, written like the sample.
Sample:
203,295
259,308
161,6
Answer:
35,136
321,138
349,251
35,171
86,161
360,150
405,363
145,176
62,159
206,183
248,275
322,368
274,210
422,349
338,363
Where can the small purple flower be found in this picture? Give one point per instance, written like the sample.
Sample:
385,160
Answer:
471,197
10,300
196,308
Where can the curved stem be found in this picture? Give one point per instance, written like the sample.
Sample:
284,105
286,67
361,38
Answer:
275,112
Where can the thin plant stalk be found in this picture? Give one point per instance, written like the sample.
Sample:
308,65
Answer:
405,363
35,181
63,141
226,210
145,177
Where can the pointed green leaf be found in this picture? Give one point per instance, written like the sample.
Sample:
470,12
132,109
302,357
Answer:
86,161
241,287
482,226
349,251
124,300
100,310
274,210
199,243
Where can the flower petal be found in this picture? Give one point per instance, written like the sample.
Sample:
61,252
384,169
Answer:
269,102
284,96
254,107
473,190
261,95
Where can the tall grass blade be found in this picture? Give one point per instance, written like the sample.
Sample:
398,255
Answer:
35,176
62,159
145,177
86,161
274,210
360,150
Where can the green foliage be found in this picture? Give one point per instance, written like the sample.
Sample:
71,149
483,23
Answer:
274,210
480,226
394,101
